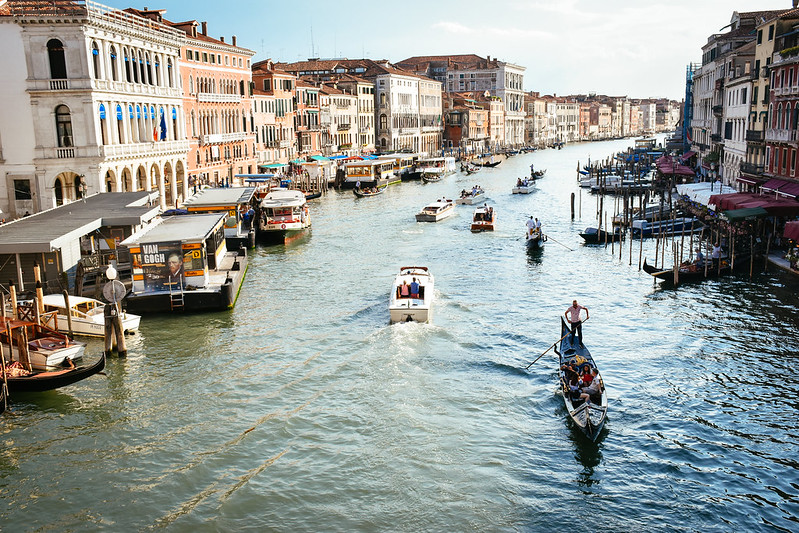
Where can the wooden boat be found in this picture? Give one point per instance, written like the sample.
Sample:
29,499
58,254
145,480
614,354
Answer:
46,348
471,197
588,416
645,228
692,271
538,174
53,379
88,316
491,164
432,174
534,238
600,236
484,219
363,193
523,186
418,308
438,210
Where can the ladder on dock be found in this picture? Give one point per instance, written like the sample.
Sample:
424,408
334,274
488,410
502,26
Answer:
176,301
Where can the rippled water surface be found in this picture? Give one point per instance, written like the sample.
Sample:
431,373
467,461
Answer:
303,410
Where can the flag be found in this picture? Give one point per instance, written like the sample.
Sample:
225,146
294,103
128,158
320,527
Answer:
163,127
155,133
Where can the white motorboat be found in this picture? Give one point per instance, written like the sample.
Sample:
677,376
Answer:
87,315
438,210
483,219
406,306
524,186
473,196
284,215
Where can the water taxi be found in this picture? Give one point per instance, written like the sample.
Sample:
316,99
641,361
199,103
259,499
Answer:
435,168
283,215
523,186
182,264
406,305
483,219
473,196
438,210
87,315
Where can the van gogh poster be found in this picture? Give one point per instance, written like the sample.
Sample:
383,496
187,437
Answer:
162,264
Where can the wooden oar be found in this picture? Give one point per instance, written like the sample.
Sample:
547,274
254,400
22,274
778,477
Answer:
551,239
553,345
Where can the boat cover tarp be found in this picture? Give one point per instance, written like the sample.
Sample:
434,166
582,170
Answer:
792,230
746,213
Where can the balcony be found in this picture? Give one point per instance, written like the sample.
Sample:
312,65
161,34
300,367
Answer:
717,110
752,169
716,138
219,98
780,135
219,138
71,152
148,149
755,136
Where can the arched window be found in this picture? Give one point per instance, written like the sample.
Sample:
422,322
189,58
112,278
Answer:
128,76
193,124
191,85
787,116
149,70
120,125
112,56
169,75
103,127
142,74
157,61
383,122
63,122
241,87
96,60
58,64
80,187
58,189
174,124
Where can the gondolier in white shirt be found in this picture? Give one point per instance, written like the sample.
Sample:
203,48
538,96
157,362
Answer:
531,225
573,314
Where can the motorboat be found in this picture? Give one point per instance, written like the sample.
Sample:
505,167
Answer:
523,186
483,219
87,315
406,306
284,215
43,347
645,228
470,197
438,210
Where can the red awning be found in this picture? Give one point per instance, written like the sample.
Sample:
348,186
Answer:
773,184
790,189
688,155
792,230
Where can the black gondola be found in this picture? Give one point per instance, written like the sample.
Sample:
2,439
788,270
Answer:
589,415
535,239
688,272
495,163
49,380
360,193
600,236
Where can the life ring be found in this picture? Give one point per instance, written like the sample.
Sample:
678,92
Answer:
282,226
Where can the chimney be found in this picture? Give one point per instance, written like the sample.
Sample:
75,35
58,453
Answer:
222,38
233,40
205,28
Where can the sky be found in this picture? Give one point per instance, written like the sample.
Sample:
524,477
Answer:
637,48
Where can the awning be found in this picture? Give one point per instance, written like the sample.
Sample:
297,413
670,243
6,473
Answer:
688,155
792,230
747,213
782,187
273,165
297,161
319,158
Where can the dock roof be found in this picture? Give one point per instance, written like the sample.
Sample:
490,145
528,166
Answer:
61,226
222,196
179,228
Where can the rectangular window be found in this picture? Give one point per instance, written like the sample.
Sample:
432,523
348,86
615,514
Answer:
213,59
784,159
793,162
771,32
743,95
22,190
205,57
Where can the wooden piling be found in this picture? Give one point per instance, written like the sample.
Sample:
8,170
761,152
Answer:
572,205
69,315
12,289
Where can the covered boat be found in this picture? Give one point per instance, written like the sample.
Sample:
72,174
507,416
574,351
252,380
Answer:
588,415
438,210
484,219
283,215
646,228
406,305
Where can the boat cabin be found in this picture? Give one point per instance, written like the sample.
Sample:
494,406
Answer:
445,164
370,172
237,203
403,163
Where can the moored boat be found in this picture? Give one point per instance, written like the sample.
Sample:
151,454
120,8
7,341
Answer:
484,219
406,305
588,416
20,380
600,236
645,228
435,211
87,315
475,195
283,215
43,347
691,271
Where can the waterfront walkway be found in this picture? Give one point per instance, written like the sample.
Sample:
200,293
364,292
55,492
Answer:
778,260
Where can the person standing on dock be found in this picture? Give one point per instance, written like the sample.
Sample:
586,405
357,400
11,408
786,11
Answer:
573,314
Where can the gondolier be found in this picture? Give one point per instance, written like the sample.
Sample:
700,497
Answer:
573,314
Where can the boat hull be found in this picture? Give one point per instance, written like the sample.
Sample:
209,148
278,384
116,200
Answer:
594,236
44,381
407,309
523,189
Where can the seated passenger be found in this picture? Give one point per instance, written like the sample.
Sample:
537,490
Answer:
592,388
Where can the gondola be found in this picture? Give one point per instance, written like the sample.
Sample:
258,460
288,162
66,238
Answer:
688,272
360,193
537,174
534,239
49,380
588,416
491,165
600,236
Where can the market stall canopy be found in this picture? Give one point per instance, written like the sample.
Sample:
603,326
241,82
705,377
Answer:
700,193
747,213
792,230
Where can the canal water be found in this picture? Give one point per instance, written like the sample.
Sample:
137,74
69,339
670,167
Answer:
304,410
